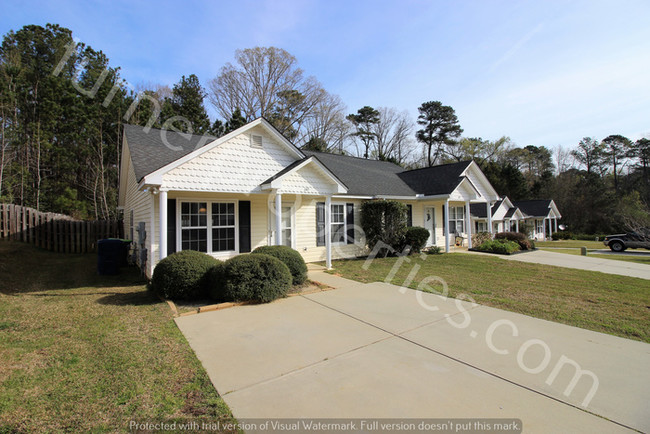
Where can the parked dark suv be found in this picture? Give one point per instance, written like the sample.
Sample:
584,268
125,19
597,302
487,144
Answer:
631,240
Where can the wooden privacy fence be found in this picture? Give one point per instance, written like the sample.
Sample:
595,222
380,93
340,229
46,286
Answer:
55,232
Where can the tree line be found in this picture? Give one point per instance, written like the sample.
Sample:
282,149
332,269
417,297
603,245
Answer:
62,106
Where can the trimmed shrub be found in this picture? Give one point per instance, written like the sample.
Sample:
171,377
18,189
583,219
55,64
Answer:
434,250
182,275
416,237
216,282
384,221
563,236
255,277
291,259
518,237
480,237
502,246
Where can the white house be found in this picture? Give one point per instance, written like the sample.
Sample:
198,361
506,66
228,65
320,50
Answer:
252,187
505,217
541,215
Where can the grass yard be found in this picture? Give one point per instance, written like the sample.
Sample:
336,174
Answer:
571,243
606,303
617,257
81,352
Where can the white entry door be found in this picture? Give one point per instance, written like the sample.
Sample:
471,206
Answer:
430,224
287,226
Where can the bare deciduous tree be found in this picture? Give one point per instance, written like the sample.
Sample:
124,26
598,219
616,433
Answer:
393,135
267,82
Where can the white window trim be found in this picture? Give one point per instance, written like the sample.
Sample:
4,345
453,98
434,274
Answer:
209,202
456,220
345,223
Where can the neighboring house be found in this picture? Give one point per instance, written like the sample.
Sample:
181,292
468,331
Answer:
252,187
505,217
541,216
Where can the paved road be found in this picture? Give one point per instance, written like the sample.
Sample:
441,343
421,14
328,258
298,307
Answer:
374,350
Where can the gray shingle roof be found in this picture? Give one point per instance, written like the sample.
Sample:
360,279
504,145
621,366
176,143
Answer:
435,180
479,210
365,177
534,208
156,148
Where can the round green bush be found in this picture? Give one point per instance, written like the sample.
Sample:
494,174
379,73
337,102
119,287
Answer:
216,282
182,275
291,259
416,237
501,245
255,277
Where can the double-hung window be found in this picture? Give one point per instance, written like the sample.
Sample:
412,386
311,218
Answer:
456,219
338,223
214,234
194,226
223,227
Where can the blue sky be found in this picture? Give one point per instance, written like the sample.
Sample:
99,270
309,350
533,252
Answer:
542,72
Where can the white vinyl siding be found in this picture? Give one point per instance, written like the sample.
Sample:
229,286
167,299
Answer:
138,205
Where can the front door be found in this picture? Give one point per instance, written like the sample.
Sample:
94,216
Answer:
430,224
287,226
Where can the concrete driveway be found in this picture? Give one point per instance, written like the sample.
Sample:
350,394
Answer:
589,263
375,350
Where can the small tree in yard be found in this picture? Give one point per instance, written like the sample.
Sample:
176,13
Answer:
384,221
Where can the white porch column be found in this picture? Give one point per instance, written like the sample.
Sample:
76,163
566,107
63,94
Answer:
328,232
550,228
446,226
469,226
278,218
489,216
517,224
162,197
555,219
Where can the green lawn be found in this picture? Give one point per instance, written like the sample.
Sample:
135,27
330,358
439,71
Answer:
81,352
571,243
607,303
617,257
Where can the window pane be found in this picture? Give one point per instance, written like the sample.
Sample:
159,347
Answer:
338,233
460,212
223,214
286,237
194,239
223,239
338,213
193,214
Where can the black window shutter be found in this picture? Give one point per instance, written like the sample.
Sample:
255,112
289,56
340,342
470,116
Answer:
443,220
171,226
349,210
244,226
320,223
409,215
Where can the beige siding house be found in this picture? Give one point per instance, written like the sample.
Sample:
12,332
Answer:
252,187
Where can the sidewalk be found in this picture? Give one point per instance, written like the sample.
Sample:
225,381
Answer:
609,266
